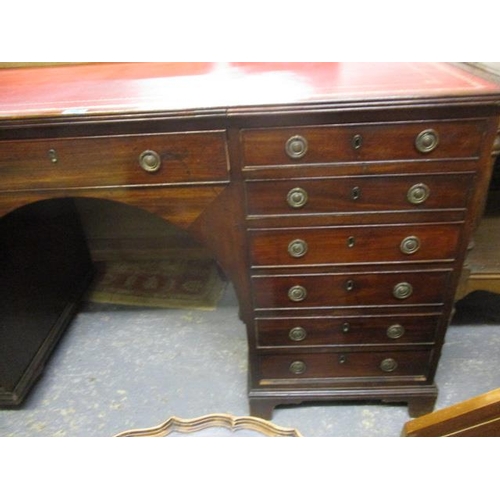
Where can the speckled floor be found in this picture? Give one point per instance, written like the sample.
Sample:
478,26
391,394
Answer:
119,368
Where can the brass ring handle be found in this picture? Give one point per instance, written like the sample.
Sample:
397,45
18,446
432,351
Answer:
297,197
298,367
297,334
150,161
297,293
388,365
427,141
297,248
410,245
395,331
418,193
402,290
296,147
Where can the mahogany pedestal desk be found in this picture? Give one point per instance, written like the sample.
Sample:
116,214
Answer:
338,198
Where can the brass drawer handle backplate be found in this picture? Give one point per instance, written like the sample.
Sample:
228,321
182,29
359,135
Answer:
297,293
296,147
298,367
297,248
297,334
410,245
427,141
296,197
395,331
52,154
388,365
402,290
150,161
418,193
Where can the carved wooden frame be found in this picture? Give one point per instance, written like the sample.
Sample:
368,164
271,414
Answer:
176,424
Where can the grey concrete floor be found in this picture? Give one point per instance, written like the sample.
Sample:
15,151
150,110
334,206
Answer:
118,368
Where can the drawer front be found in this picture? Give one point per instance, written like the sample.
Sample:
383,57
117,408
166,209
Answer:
114,161
357,244
347,330
358,194
350,290
361,142
386,364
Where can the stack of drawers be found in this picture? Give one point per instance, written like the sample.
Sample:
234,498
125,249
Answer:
356,238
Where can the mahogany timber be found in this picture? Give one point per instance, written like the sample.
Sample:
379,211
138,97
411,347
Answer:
334,194
104,161
340,245
221,131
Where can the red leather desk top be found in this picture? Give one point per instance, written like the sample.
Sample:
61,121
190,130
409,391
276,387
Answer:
193,87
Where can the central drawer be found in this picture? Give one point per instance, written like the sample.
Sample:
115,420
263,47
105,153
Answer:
371,193
172,158
307,291
297,368
356,244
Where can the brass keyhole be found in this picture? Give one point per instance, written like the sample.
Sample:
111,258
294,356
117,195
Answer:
395,331
349,285
53,155
357,141
418,193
